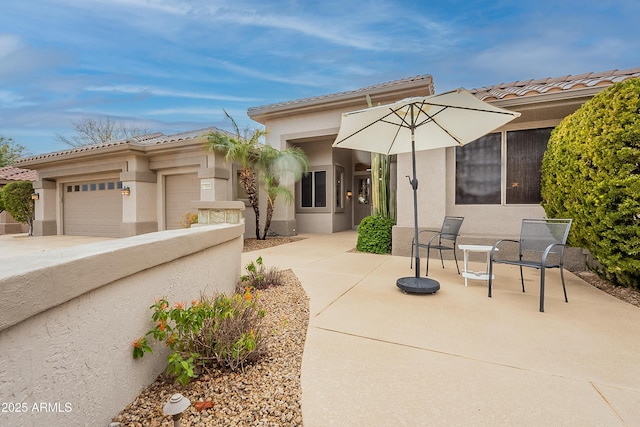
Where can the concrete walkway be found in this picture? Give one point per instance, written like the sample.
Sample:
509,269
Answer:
375,356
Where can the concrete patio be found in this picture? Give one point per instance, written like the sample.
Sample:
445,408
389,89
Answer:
377,357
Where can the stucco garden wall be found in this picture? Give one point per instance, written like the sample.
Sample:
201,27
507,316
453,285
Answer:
68,318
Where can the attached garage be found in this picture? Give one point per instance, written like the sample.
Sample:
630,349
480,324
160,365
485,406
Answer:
180,191
92,208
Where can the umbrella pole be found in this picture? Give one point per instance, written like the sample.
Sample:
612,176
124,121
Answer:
414,185
416,284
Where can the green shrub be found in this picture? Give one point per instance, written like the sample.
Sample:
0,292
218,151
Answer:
591,173
374,234
223,331
259,277
16,199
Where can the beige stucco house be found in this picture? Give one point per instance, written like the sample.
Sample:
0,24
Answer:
492,182
129,187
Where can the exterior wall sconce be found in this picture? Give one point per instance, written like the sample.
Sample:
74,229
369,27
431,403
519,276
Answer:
176,405
35,196
349,194
125,191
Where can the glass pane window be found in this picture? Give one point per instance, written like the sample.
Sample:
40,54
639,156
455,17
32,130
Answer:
320,187
313,188
525,149
307,190
478,171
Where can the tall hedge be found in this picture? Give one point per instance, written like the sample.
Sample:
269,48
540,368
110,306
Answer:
591,173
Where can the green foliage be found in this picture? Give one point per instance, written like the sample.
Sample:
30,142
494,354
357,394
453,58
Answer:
260,277
374,234
9,151
16,199
382,197
591,173
277,168
223,331
260,163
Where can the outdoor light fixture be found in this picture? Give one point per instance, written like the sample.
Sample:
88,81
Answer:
176,405
126,191
349,194
35,196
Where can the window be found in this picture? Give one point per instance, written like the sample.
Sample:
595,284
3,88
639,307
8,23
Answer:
525,149
478,171
339,188
315,190
479,168
241,193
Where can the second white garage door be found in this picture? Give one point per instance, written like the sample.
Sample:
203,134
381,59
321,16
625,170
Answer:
180,191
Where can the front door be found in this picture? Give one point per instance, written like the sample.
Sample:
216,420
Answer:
362,197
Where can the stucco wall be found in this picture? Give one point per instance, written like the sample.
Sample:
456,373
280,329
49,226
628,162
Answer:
68,317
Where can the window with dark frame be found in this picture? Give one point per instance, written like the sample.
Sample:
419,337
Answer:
525,150
313,187
478,171
479,168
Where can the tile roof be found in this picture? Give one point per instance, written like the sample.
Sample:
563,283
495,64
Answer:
12,173
136,141
556,84
424,78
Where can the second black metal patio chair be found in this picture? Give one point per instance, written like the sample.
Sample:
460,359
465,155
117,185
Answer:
541,246
443,240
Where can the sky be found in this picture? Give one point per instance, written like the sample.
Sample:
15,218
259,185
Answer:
175,65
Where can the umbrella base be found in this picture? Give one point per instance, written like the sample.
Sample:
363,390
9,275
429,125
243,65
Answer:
418,285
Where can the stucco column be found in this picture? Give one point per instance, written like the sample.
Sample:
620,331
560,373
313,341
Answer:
139,213
45,208
214,184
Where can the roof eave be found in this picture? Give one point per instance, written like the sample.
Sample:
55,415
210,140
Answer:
100,151
344,100
573,96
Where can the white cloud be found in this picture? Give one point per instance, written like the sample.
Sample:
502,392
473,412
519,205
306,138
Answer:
9,44
10,99
133,89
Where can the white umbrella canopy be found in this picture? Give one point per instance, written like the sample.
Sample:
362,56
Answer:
415,124
437,121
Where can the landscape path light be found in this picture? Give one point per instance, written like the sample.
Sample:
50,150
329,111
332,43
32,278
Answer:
176,405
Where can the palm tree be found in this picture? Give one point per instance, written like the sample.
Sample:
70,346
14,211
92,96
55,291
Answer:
243,148
274,166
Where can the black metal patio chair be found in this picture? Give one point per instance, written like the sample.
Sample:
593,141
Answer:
541,246
443,240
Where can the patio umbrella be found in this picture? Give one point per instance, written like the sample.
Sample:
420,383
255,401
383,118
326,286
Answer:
421,123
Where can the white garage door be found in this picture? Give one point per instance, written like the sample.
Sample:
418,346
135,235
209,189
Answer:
92,208
180,191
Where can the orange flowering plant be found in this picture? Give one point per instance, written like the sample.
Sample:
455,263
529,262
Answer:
222,330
